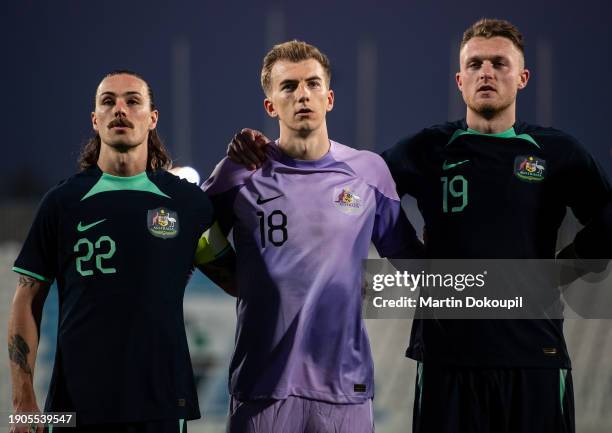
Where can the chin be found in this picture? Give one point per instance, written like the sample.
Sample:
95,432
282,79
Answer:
122,146
487,109
304,127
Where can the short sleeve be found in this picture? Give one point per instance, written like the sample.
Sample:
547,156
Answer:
392,235
590,198
221,187
403,164
587,186
39,255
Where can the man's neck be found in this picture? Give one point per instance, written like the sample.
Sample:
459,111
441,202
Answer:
123,164
500,122
306,147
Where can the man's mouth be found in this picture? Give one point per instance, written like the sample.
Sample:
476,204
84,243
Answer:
486,88
304,111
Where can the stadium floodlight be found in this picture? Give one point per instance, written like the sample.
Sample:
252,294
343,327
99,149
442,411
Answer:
188,173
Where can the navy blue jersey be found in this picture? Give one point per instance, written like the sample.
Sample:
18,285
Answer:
122,250
498,196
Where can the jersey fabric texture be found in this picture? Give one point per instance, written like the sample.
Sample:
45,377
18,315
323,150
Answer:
301,230
498,196
477,400
299,415
122,250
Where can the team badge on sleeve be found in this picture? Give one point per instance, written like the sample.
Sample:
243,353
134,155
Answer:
529,168
163,223
347,201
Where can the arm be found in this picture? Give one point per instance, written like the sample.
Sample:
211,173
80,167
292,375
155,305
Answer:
23,336
36,266
222,187
591,249
589,195
216,259
404,161
393,236
222,272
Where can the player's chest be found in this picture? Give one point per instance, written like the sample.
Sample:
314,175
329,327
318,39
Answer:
100,232
301,207
471,181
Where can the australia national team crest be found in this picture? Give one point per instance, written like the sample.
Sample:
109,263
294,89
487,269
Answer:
529,168
163,223
347,201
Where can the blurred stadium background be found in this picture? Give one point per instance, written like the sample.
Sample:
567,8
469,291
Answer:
394,64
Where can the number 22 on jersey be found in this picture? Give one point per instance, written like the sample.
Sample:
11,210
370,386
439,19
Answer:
104,248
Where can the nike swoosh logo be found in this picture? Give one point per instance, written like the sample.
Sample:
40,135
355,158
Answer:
262,201
82,228
447,166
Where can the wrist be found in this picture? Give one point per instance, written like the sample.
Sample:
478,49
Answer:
24,399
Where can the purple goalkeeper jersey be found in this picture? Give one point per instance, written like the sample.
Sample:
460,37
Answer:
301,231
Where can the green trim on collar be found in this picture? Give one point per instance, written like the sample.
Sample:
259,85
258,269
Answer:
140,182
508,133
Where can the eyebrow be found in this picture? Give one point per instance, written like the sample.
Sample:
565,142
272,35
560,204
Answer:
289,81
482,58
129,93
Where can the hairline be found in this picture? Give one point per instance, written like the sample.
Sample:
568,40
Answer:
520,52
326,77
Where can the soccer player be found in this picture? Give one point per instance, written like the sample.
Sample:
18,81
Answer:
121,238
489,186
302,225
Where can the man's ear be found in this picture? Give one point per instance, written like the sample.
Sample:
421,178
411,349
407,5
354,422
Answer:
458,80
154,119
269,107
330,100
524,78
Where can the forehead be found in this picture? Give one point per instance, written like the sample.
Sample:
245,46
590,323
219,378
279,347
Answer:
122,83
496,46
287,70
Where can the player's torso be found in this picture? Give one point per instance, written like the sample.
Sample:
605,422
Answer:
126,250
300,235
306,220
132,244
491,197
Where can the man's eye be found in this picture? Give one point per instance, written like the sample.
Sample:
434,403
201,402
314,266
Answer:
133,102
314,84
473,65
107,101
289,87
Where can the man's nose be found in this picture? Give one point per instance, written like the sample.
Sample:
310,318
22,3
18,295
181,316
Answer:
486,71
120,108
302,92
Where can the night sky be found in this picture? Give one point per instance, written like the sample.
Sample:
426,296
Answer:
55,53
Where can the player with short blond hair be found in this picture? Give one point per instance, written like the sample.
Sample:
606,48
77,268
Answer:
302,225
